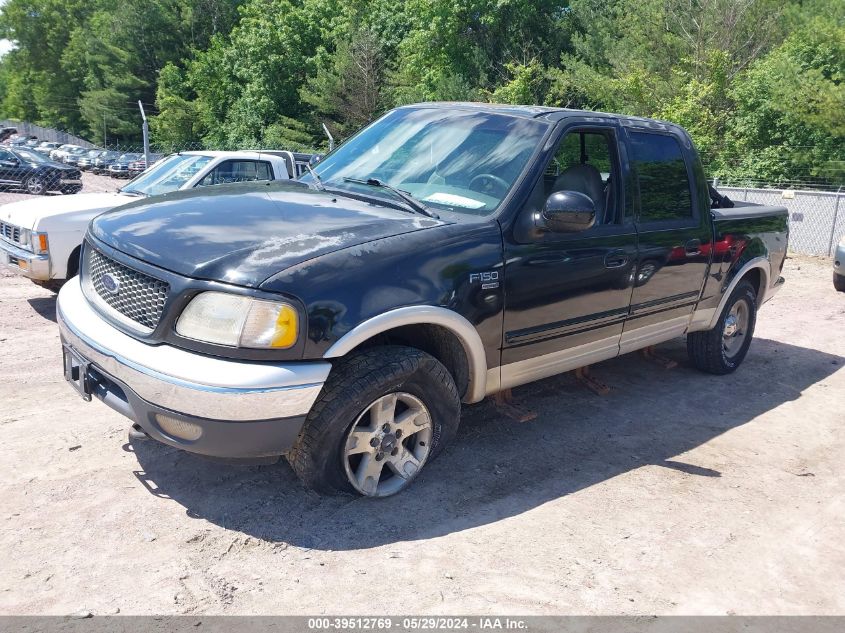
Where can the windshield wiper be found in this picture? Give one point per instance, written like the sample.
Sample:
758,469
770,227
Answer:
411,201
318,182
132,192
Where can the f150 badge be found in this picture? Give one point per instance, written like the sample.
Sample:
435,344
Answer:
487,279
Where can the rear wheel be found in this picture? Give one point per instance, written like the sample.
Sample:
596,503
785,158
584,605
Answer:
722,349
839,282
382,416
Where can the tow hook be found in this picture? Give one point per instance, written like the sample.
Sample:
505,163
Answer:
136,433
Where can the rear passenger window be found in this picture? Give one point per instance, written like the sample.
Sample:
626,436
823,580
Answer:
665,192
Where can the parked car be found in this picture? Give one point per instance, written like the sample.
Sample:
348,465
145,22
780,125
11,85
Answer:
45,147
20,141
6,133
120,167
86,161
100,165
73,155
444,253
839,266
60,152
62,223
29,170
140,165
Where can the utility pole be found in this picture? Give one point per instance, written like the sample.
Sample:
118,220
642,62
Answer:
105,142
146,131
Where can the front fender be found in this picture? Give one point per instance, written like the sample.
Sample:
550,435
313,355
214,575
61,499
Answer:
431,276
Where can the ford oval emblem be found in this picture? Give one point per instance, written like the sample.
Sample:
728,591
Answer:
110,283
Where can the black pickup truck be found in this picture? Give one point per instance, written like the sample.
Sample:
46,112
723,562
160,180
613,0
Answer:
445,253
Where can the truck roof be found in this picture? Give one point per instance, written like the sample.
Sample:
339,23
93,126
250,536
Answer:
229,154
546,112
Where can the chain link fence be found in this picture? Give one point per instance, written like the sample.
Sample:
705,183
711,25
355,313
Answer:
816,218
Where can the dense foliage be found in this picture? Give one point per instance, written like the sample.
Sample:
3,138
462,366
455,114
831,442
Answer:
759,83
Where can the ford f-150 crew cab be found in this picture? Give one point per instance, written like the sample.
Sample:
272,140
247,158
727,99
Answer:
42,238
444,253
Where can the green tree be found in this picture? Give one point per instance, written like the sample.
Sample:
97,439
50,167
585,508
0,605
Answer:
788,122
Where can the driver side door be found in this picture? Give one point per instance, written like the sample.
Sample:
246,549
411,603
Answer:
567,295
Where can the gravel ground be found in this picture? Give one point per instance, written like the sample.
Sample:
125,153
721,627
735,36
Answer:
677,493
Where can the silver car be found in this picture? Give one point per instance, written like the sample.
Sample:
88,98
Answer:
839,266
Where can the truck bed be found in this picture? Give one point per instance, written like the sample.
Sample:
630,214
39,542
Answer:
748,210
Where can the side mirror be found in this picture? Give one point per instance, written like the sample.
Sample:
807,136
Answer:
569,212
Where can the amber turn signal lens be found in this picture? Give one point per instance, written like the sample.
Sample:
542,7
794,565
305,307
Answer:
285,334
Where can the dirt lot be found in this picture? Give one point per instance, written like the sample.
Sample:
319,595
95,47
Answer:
677,493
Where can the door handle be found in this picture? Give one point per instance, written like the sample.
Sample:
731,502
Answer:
615,259
693,247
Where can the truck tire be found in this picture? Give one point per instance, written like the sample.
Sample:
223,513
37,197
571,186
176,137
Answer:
36,185
721,350
839,282
383,414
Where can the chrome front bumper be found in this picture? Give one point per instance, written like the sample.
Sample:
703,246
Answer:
228,398
29,264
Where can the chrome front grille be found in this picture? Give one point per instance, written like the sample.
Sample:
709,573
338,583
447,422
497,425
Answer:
10,232
133,294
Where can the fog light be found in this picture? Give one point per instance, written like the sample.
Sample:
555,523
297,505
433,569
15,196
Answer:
179,428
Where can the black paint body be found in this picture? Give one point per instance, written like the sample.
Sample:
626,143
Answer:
343,260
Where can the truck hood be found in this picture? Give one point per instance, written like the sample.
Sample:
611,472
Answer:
45,213
244,234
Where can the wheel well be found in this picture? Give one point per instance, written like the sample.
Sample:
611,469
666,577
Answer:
73,263
436,340
755,278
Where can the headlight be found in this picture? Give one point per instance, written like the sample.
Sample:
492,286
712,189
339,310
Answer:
39,243
228,319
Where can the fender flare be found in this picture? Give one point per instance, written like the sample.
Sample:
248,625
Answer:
424,315
758,262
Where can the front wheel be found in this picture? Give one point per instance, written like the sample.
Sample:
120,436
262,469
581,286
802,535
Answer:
36,185
721,350
839,282
383,415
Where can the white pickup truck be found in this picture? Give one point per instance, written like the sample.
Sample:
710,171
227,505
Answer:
42,238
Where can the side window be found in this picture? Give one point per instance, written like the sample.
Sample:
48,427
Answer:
4,155
665,192
586,161
237,171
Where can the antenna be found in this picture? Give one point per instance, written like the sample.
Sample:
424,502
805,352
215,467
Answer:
329,134
145,130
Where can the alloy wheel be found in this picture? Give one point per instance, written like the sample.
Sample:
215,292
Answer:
387,445
735,329
35,186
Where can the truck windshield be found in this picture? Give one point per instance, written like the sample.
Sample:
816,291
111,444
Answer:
168,175
454,159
